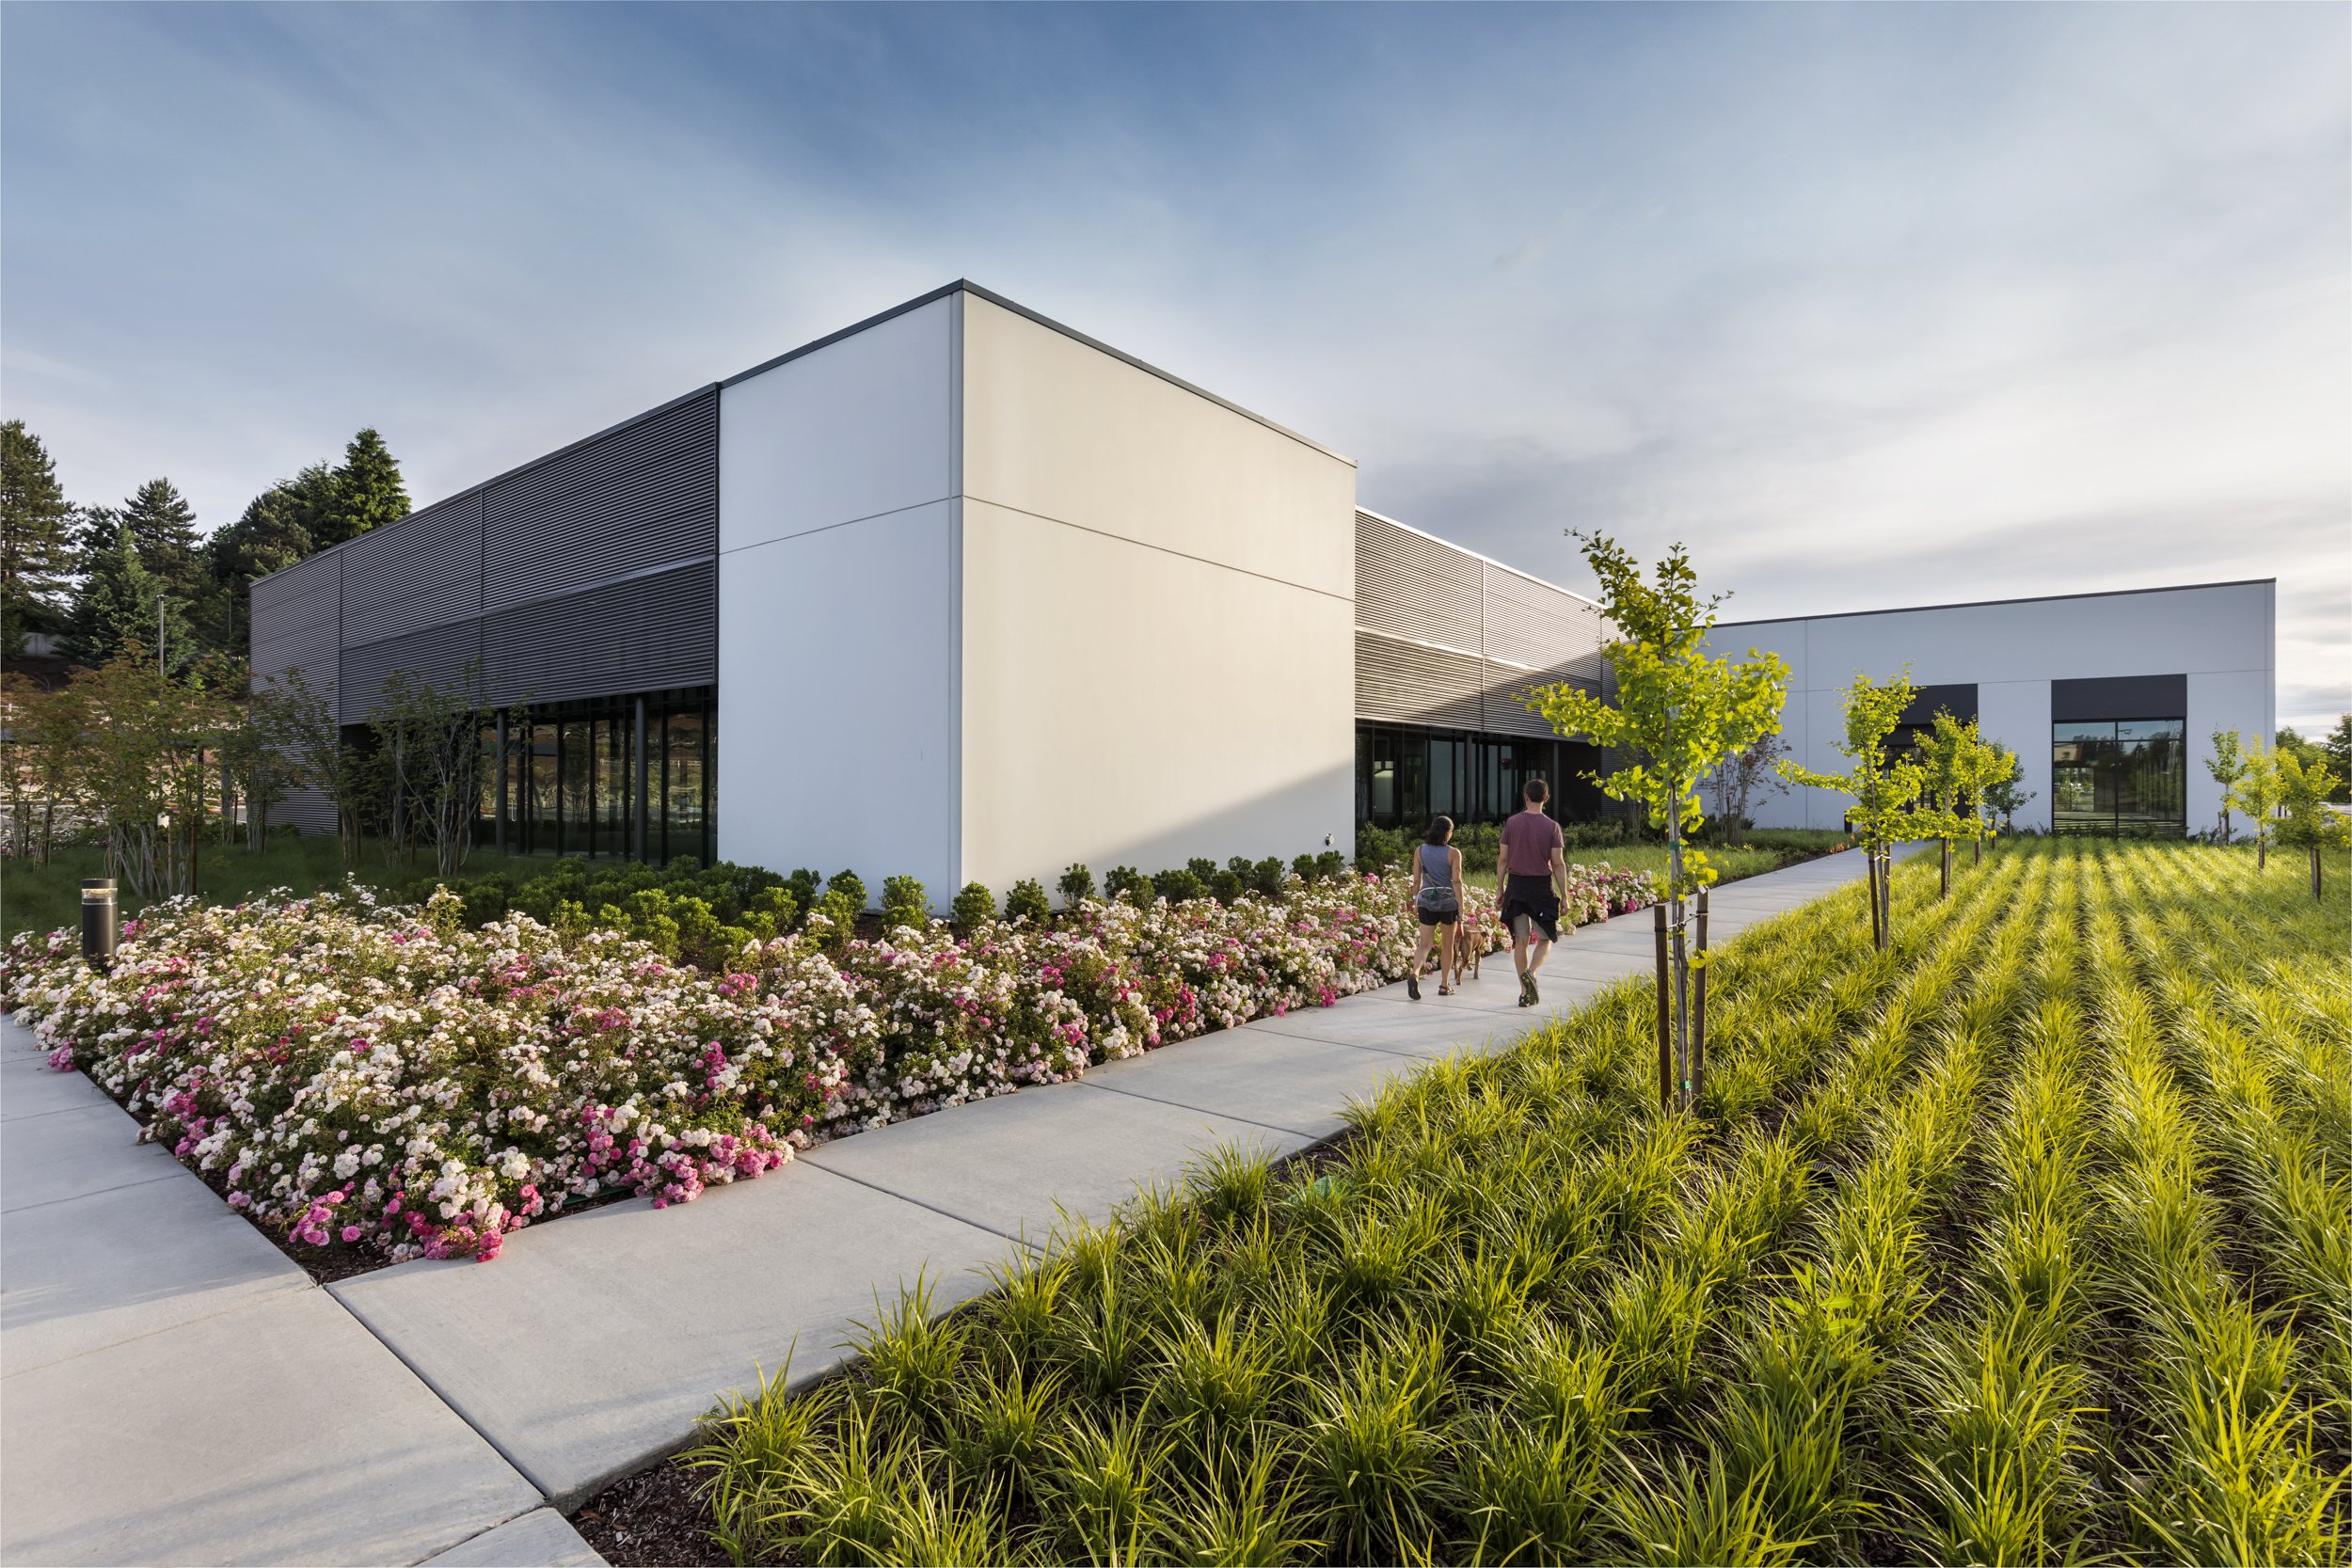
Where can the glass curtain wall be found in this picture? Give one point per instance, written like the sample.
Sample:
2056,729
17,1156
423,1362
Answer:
2124,778
1403,777
571,777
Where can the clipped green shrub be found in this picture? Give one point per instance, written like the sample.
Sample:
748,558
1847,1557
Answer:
1380,849
1125,882
904,903
1268,877
1027,901
1202,867
1179,885
1227,886
1076,884
1330,866
850,885
974,906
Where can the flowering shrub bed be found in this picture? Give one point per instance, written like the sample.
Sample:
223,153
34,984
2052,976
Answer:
383,1077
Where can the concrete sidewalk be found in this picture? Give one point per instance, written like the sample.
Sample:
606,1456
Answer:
176,1391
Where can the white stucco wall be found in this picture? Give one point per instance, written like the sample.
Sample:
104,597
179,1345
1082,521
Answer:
837,608
2220,636
1158,646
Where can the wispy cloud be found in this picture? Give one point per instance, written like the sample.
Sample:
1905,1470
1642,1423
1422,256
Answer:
1867,304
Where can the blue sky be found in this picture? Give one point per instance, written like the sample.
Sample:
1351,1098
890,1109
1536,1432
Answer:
1870,305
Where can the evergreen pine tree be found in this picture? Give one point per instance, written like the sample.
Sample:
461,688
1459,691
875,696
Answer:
35,537
117,605
161,525
368,491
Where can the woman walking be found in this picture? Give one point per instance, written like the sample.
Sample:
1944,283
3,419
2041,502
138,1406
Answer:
1437,900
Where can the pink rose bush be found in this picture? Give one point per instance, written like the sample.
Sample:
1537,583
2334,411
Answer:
382,1077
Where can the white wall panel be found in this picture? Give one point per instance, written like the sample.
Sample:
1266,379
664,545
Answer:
1060,430
1126,705
2220,636
2224,701
857,428
2017,714
836,689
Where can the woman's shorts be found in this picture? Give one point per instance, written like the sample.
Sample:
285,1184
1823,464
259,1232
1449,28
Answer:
1431,917
1534,899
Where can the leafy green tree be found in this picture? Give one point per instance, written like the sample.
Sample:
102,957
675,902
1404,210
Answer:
2306,783
36,538
368,492
2003,794
2259,793
1885,788
1679,714
2227,766
1949,759
143,770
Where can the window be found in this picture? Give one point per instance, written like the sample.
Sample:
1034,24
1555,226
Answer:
2120,777
572,775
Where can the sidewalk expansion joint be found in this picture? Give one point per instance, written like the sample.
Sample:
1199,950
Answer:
942,1213
1204,1110
176,1169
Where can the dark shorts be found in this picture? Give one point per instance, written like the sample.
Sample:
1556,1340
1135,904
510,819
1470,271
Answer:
1531,898
1431,917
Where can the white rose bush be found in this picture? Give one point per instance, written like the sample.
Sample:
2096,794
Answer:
378,1077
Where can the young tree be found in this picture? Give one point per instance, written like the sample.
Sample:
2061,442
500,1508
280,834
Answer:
2259,793
368,492
2003,794
305,725
1737,780
1886,789
2227,766
36,538
1949,759
143,768
429,751
1678,713
2305,785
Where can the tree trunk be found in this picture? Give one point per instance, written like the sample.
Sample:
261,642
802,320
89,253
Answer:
2315,861
1698,1012
1947,890
1871,865
1665,1015
2262,853
1681,961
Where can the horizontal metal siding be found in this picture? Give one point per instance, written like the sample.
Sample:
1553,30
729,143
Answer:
643,497
423,571
1415,587
646,634
297,625
308,810
439,655
1533,624
1412,683
1505,713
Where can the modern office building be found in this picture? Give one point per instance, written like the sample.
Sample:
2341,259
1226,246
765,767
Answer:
969,596
2109,700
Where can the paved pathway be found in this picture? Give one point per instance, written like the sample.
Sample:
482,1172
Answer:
176,1391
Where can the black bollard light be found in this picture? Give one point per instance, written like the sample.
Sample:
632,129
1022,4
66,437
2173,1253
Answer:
98,922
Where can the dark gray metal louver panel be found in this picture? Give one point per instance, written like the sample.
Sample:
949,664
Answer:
308,810
439,655
423,571
642,497
1412,683
1414,587
644,634
1505,713
297,625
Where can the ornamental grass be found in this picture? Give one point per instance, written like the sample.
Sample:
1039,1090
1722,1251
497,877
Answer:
2022,1242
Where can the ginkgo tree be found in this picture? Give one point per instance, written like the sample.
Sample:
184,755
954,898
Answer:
1954,758
2305,784
2259,791
1886,788
1677,711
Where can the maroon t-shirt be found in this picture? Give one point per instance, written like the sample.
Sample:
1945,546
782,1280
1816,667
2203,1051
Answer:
1530,838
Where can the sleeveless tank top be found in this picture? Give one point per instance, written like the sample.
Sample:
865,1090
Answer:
1434,871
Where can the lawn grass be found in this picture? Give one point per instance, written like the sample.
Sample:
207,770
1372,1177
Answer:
2024,1241
37,898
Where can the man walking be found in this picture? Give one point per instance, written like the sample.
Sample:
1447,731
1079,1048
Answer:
1532,870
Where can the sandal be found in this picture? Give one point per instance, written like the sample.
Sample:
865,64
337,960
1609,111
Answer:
1445,991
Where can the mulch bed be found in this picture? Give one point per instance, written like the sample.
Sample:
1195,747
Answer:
654,1519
